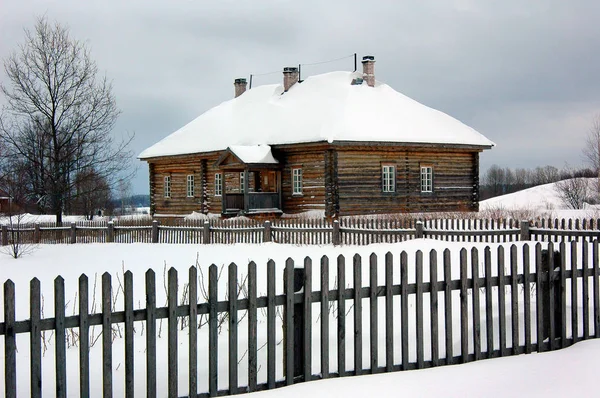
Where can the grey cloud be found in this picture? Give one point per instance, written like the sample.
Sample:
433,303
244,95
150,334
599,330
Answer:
522,73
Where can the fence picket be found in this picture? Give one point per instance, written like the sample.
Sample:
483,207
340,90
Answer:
419,305
289,322
307,319
35,336
357,310
585,289
464,308
574,290
514,299
271,315
232,287
476,304
489,314
373,332
324,317
539,299
435,344
527,298
501,302
150,334
213,331
84,333
10,341
596,285
341,326
448,307
252,328
563,294
129,351
107,336
193,332
404,308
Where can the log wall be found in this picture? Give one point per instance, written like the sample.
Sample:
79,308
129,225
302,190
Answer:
313,179
338,179
360,181
203,169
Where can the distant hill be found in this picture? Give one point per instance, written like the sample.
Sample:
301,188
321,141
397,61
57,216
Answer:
542,197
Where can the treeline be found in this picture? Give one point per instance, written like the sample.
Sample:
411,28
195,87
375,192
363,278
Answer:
501,181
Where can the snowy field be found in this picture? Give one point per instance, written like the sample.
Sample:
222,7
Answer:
483,378
542,200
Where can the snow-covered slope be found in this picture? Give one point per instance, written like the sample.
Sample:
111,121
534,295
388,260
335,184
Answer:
541,198
324,107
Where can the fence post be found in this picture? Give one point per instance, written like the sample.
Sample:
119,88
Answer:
335,238
4,235
154,231
555,297
419,230
110,235
525,232
73,233
267,231
297,279
206,233
36,233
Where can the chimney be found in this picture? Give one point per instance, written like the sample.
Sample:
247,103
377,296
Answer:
240,86
368,62
290,77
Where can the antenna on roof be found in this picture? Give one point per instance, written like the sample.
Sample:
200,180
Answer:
307,64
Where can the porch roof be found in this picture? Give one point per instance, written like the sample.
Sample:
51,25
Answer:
247,156
254,154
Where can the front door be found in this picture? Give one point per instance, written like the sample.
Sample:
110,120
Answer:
268,181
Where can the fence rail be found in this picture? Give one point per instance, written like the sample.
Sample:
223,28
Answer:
305,232
551,298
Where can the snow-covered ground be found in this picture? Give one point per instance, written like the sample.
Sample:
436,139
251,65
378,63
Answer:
570,372
522,375
543,200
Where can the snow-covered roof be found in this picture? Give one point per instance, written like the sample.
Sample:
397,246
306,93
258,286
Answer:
250,154
325,107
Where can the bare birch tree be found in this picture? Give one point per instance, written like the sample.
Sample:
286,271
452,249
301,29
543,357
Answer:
59,117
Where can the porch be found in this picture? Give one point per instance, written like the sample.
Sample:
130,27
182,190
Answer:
251,181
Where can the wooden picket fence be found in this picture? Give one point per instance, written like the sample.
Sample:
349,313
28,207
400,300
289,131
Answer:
355,231
542,292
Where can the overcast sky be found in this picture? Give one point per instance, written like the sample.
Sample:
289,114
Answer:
526,74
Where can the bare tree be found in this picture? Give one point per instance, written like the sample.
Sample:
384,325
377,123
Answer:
591,151
59,116
573,191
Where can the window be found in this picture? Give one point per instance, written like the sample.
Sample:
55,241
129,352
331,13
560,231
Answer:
242,177
218,184
426,179
297,181
388,178
167,186
190,186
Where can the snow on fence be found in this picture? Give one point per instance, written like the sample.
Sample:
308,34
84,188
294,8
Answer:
414,310
353,231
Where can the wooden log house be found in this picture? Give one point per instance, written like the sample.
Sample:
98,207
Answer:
341,143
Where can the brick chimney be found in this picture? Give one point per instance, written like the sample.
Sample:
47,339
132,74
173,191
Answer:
240,86
290,77
368,62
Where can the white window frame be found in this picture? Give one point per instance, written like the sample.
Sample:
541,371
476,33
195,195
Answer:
167,186
242,177
190,186
218,184
388,178
297,181
426,179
